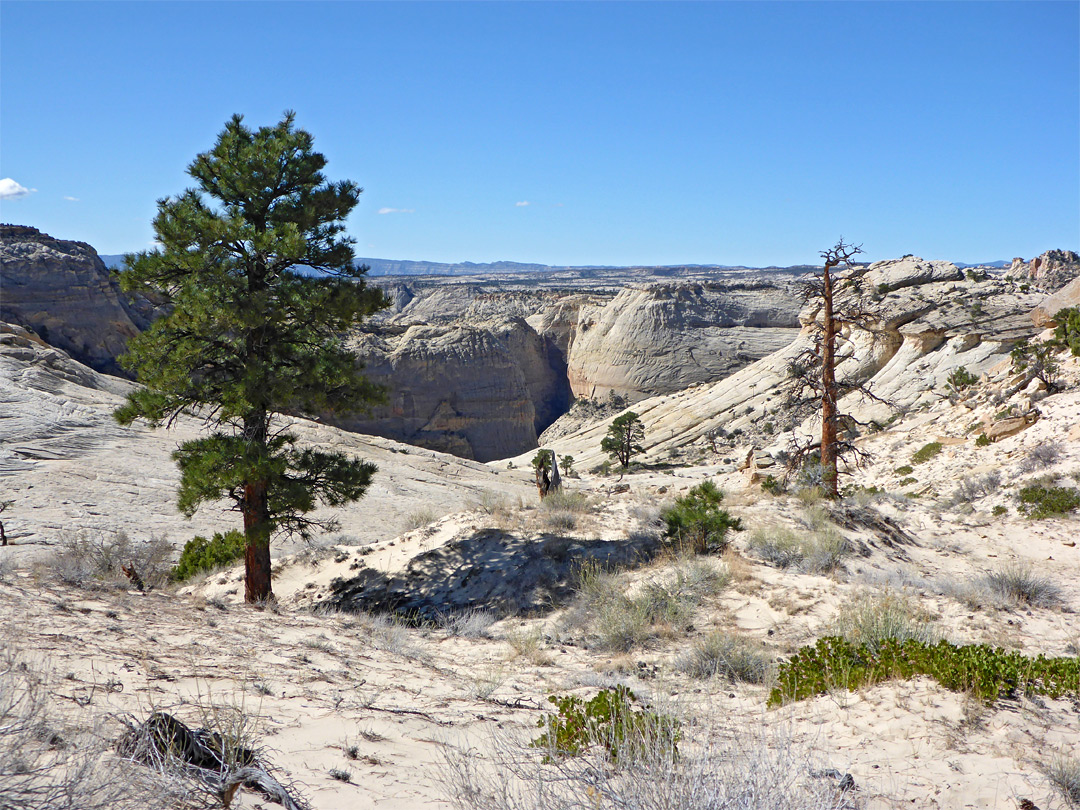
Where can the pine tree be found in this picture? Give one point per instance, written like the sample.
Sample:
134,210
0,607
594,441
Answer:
248,338
624,438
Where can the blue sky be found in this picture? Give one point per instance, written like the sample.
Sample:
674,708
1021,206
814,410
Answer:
637,133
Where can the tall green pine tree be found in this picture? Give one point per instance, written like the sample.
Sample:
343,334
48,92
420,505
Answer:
247,338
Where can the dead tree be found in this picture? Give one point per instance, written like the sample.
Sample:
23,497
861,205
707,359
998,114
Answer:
546,467
813,383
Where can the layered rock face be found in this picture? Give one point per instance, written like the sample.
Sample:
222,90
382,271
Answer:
930,321
480,392
62,291
662,338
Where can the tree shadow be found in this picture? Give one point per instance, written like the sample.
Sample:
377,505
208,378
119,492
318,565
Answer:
488,570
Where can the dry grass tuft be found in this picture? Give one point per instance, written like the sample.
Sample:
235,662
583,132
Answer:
871,619
721,654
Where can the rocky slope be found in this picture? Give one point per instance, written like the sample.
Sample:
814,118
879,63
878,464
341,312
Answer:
62,290
931,321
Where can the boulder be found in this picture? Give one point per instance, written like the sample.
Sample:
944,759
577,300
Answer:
1067,296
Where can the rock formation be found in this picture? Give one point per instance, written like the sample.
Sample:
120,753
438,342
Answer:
63,292
932,322
1049,271
482,392
662,338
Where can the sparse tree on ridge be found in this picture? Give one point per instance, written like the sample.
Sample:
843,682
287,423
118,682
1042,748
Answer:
813,384
247,339
624,438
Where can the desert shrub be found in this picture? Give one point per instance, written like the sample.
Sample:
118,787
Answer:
1000,510
973,487
812,551
419,518
961,378
1067,331
1018,584
732,657
772,485
906,481
982,441
1040,457
46,764
564,500
1039,501
468,623
907,469
1064,774
745,768
87,559
621,621
925,453
697,523
610,720
200,555
871,620
985,672
1036,361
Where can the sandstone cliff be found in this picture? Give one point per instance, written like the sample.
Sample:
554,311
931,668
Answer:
63,292
662,338
931,322
482,392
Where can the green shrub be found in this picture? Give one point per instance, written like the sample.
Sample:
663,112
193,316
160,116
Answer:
961,378
982,441
201,555
1067,331
610,720
985,672
772,485
925,453
697,523
1038,501
907,469
1000,510
905,481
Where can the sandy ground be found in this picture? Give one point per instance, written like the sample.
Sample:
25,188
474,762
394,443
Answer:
381,702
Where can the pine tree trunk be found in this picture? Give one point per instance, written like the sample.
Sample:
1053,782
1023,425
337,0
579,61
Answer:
828,395
257,518
257,556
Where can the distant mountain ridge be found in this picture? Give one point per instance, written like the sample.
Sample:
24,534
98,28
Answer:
413,267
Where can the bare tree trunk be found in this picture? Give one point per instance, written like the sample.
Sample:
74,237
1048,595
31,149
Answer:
828,393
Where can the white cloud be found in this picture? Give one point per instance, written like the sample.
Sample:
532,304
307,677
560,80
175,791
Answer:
522,204
71,199
10,190
397,210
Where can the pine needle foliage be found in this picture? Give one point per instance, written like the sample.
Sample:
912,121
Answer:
624,438
247,337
